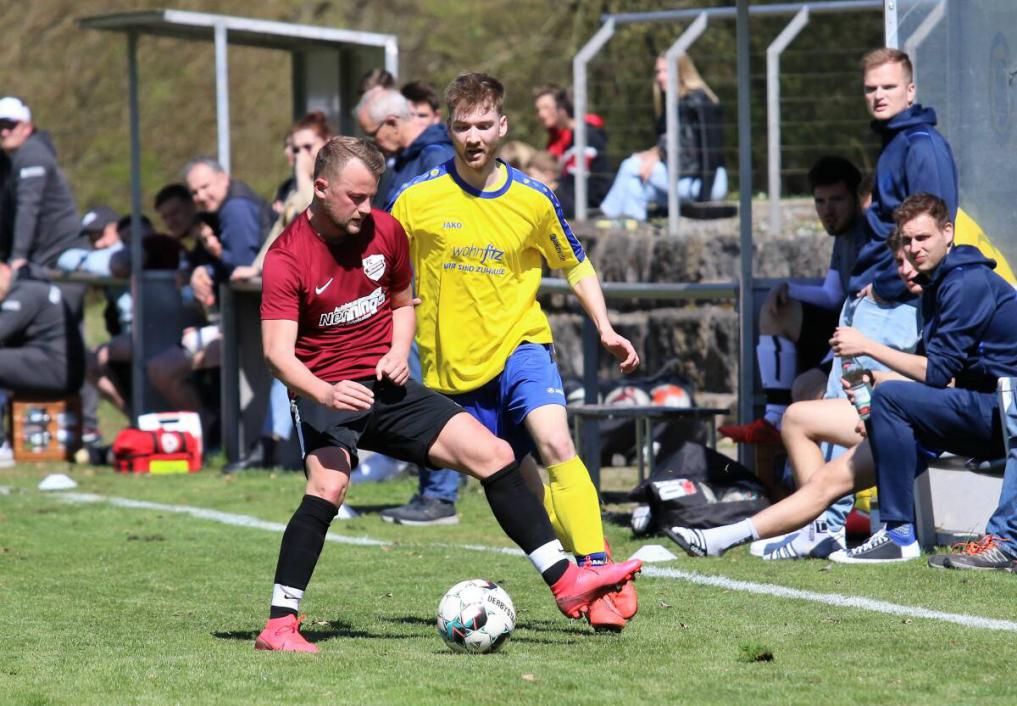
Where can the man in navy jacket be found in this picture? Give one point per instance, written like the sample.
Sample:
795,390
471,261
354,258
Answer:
949,403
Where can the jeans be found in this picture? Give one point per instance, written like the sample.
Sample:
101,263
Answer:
630,196
912,421
441,483
1003,522
278,422
894,325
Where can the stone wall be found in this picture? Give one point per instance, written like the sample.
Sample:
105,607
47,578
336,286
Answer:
698,340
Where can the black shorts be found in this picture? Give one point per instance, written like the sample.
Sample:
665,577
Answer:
818,325
403,422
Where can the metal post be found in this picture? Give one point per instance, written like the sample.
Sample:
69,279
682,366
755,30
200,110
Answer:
392,57
138,380
746,357
591,391
681,45
922,33
773,53
222,96
579,102
890,23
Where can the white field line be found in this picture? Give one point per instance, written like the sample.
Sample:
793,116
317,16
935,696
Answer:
765,589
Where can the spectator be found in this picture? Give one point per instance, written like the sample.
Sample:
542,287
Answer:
642,178
307,136
424,103
375,78
518,154
289,184
797,320
544,168
41,348
385,117
556,112
234,221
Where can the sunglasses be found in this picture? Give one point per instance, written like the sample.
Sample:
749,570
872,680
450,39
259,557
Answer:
390,120
7,124
307,148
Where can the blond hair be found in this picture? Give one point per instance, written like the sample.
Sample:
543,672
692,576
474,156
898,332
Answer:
689,79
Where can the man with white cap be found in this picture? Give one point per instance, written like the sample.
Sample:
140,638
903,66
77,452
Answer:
38,216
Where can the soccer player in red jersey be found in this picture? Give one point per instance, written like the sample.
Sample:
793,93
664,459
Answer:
337,322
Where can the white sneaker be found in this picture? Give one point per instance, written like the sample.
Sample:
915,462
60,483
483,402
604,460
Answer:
814,541
758,547
879,549
6,455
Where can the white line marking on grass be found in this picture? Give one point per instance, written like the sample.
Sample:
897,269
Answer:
765,589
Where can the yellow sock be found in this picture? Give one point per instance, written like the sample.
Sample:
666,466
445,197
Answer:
563,536
576,505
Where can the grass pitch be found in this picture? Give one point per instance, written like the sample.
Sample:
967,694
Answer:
106,604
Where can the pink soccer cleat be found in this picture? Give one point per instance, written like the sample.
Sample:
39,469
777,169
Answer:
581,585
283,634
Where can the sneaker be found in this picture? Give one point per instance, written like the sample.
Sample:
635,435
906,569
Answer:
261,455
421,511
758,547
814,541
625,599
938,561
690,540
879,549
581,585
757,432
283,634
984,554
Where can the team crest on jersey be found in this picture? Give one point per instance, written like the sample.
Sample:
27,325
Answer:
374,266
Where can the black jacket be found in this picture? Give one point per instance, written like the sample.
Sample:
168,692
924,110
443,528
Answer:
38,216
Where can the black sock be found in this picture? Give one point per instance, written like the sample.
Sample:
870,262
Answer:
522,517
301,546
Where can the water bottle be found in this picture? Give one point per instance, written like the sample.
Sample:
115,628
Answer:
861,390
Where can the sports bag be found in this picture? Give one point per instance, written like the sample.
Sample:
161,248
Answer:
156,451
696,487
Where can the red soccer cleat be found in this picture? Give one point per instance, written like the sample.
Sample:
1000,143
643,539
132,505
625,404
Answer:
625,599
757,432
283,634
580,586
604,615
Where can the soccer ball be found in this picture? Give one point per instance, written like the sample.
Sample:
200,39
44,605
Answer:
669,395
627,396
476,616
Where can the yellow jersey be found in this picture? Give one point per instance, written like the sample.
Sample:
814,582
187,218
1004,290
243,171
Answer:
477,258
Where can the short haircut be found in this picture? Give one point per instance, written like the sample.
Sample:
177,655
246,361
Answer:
170,192
475,90
421,92
916,205
562,97
886,55
209,162
337,152
830,170
380,103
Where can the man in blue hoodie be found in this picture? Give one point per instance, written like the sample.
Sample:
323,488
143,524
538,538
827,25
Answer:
386,116
945,401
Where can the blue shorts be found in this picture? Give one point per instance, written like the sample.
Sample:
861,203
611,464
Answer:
530,380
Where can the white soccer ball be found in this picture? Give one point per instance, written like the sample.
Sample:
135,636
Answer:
476,616
627,396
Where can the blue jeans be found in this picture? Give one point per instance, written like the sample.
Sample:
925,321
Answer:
1003,522
912,421
278,422
441,483
630,196
894,325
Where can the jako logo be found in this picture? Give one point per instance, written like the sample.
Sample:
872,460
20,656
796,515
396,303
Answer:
454,225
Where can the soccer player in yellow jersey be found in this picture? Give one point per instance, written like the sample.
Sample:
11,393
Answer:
479,232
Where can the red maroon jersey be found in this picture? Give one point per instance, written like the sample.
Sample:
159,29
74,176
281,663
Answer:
339,294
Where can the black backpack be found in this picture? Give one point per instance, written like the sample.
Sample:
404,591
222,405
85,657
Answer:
695,486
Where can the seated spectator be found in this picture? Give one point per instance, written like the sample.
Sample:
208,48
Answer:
518,154
235,221
642,180
424,103
385,117
556,112
544,168
41,349
797,320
